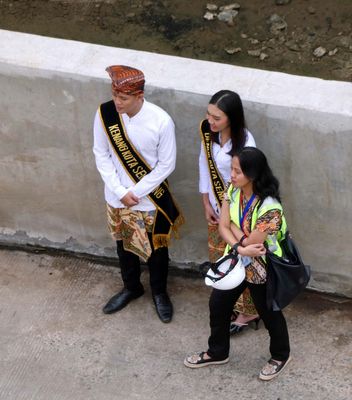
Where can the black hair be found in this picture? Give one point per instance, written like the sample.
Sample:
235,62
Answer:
254,166
230,103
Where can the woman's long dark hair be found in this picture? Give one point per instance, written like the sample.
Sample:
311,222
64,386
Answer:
254,166
230,103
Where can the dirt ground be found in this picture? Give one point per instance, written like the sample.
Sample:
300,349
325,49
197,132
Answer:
304,37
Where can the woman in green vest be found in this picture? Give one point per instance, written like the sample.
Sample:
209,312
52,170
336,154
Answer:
251,216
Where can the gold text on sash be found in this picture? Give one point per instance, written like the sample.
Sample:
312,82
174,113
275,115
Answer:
129,158
124,150
217,183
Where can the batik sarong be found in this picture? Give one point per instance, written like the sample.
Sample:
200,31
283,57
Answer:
132,227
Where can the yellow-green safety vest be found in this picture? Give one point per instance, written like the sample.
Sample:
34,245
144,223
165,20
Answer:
273,241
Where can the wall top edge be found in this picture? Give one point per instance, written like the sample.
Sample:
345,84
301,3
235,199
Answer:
176,73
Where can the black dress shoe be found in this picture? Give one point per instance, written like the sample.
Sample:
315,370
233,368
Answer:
163,307
120,300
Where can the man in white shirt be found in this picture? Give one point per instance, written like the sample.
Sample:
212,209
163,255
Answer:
135,151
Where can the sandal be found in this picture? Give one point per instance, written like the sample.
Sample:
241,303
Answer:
197,360
237,327
272,369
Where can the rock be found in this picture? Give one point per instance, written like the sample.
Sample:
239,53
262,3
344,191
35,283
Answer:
333,52
311,10
319,52
282,2
292,45
233,6
211,7
277,27
274,18
227,16
277,23
253,41
209,16
263,56
244,36
254,53
232,50
271,43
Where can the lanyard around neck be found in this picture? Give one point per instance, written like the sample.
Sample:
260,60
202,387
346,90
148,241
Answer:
246,209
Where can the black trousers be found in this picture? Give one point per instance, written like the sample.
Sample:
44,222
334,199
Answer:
158,264
221,305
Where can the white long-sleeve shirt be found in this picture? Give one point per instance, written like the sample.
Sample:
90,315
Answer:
223,163
152,132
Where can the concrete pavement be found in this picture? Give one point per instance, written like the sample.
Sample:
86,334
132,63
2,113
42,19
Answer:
56,344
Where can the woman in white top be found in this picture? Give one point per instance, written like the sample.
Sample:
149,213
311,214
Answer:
223,133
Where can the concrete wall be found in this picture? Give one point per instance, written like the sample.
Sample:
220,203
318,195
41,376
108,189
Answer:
52,195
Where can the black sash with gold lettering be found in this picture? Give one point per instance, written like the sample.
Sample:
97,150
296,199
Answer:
217,183
168,216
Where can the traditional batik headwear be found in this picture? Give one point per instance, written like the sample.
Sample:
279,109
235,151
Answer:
126,79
